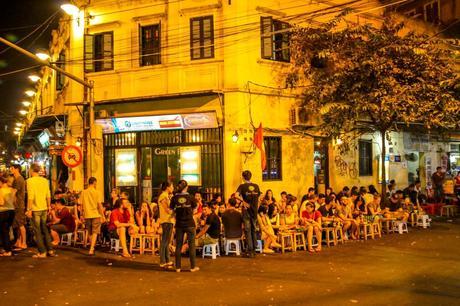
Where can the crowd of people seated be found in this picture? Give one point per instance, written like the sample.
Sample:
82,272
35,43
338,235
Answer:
197,222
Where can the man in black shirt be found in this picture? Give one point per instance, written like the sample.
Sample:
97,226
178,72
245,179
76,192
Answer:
210,232
232,221
249,193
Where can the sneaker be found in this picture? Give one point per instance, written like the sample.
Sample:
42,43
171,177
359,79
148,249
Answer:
196,269
169,263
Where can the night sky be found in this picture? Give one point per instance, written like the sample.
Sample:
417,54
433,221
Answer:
18,19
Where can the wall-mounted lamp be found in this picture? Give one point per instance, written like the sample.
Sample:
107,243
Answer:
78,142
235,137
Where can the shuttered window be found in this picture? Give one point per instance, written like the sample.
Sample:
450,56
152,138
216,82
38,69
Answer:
202,37
60,78
274,39
99,52
150,45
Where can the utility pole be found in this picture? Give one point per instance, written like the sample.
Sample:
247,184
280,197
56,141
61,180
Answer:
89,86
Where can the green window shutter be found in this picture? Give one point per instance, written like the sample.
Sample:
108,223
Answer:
107,51
89,53
266,37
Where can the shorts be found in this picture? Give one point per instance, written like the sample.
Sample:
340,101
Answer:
205,240
19,217
93,225
60,228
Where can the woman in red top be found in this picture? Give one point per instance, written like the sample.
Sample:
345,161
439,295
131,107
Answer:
312,220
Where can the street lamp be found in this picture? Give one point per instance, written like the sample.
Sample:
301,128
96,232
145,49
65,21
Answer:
42,55
34,78
23,112
17,128
19,124
26,103
29,93
16,132
70,9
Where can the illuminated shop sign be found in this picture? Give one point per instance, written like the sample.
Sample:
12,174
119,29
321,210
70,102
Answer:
126,167
44,138
190,165
154,123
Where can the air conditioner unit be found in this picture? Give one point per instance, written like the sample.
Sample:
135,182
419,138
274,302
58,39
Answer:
301,117
454,147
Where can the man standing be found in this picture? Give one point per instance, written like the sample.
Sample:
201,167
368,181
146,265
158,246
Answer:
249,193
438,179
19,185
38,205
92,212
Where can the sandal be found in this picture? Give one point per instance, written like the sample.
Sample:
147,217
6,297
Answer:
52,253
311,250
126,255
39,255
318,250
6,254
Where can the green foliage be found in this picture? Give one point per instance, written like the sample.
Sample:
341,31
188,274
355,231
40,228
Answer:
366,79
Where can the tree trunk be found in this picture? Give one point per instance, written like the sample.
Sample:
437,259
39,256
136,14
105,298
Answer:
382,165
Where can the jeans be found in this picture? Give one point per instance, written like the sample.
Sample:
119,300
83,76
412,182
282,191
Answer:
42,234
180,232
250,231
438,193
6,221
165,241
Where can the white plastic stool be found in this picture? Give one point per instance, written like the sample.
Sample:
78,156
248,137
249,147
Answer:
400,227
66,239
114,244
423,221
260,246
232,246
211,250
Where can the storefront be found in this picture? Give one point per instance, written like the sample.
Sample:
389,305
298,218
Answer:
142,152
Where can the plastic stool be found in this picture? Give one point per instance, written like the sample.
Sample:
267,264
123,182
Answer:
211,250
66,239
115,245
423,221
260,246
229,244
400,227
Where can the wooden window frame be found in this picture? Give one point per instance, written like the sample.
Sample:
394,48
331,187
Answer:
201,38
95,61
268,36
154,57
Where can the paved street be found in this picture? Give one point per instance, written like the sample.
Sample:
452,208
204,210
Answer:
419,268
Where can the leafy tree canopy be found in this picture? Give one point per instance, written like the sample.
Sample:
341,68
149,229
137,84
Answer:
366,78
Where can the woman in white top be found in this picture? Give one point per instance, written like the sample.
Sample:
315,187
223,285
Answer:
7,199
166,221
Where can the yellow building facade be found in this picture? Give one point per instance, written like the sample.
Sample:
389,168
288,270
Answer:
191,79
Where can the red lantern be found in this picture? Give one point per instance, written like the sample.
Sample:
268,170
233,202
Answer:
27,155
